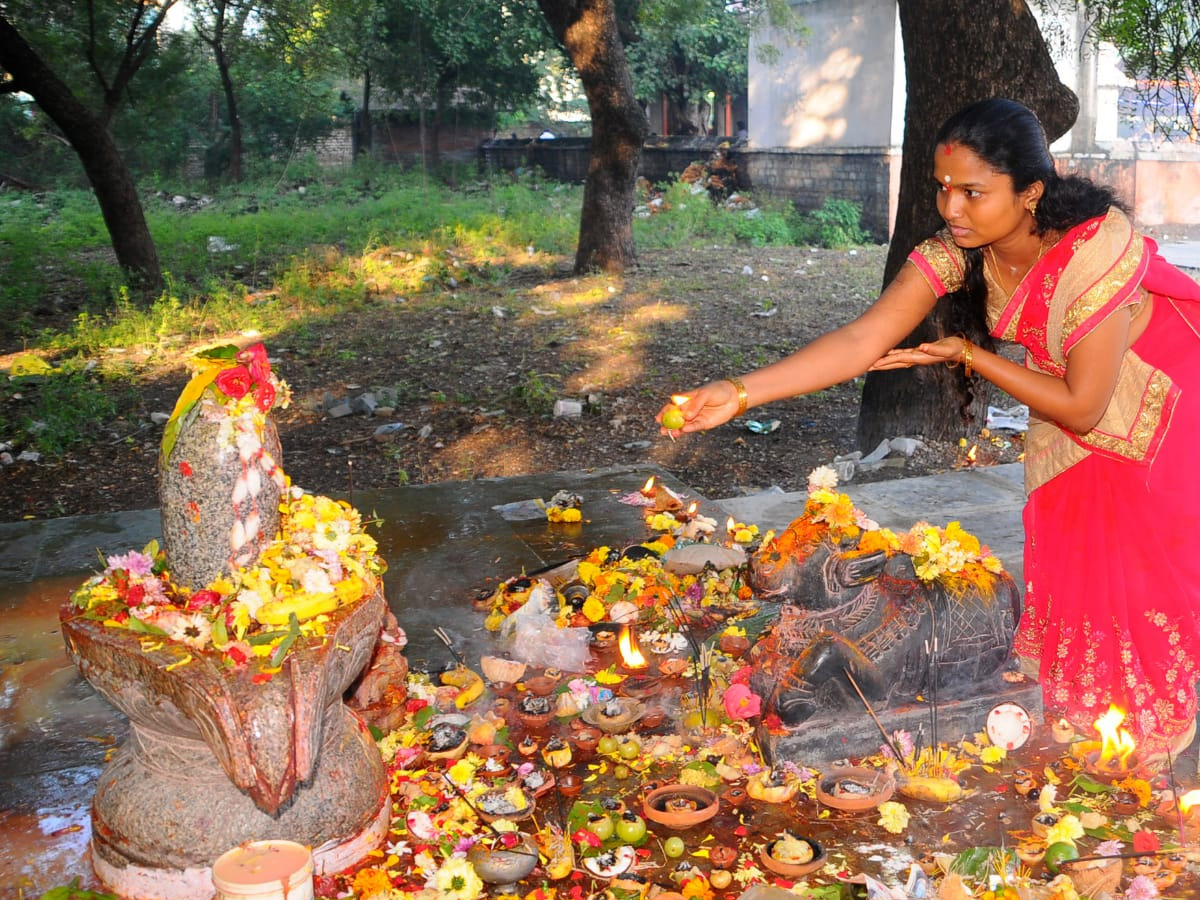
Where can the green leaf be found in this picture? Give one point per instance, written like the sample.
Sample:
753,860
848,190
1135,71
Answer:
225,351
423,715
976,862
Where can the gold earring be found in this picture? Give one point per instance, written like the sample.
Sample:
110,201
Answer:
1033,208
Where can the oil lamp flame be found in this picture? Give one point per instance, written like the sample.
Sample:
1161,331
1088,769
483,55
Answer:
648,487
679,399
631,654
690,512
973,454
1116,744
1188,800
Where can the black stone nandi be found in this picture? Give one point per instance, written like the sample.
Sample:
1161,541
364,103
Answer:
868,614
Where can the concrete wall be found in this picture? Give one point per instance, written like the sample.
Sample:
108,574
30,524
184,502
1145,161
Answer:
835,89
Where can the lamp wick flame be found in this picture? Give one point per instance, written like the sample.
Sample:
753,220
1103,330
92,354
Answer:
1188,800
631,654
1116,744
648,487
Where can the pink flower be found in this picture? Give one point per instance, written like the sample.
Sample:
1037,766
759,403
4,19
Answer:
202,600
234,382
1141,888
741,702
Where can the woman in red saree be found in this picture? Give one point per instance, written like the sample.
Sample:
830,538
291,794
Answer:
1111,334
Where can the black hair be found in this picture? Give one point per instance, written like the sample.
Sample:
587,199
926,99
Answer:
1009,138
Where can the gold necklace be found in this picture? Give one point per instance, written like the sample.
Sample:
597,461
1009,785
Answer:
991,257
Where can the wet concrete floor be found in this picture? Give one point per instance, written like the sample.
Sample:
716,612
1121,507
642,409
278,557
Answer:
444,543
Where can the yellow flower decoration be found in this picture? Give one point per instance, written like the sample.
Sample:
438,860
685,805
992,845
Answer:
594,609
992,754
893,816
456,880
1067,830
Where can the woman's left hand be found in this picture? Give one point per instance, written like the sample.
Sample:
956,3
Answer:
947,350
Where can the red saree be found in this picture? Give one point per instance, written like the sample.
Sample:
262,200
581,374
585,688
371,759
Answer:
1112,579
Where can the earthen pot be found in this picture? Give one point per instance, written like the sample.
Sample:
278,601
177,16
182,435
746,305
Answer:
722,856
793,870
541,685
570,784
735,796
680,806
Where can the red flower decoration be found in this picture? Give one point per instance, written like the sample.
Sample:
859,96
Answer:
741,702
262,677
135,595
742,675
264,396
1146,842
234,382
185,468
202,600
255,359
238,653
415,705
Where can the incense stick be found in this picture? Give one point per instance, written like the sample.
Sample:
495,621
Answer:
886,737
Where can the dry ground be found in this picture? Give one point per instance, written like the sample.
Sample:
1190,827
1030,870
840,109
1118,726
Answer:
474,371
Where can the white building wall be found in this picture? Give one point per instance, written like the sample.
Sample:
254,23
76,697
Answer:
836,89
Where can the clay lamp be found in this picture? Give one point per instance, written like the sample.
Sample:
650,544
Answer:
585,739
1176,862
1115,758
1030,852
1125,803
1043,822
614,716
570,785
528,746
680,806
735,796
502,803
652,718
1062,731
502,688
723,856
538,782
557,753
613,806
447,742
673,666
772,786
1146,865
535,712
931,867
1023,782
1163,879
495,761
541,685
604,639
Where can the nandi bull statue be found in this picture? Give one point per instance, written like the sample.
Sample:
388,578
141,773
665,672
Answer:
896,615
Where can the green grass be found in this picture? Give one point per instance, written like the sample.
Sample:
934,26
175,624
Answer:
352,237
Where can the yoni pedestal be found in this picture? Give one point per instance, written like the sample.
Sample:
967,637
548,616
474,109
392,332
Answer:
214,759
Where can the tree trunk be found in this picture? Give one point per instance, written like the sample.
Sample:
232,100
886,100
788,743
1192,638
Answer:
955,52
587,29
363,119
114,187
231,108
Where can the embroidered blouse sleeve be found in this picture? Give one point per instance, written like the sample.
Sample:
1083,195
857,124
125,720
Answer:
1105,271
941,262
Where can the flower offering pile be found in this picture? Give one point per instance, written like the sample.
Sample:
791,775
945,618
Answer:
274,561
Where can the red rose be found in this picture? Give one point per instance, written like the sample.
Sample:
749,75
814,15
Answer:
234,382
264,396
185,468
415,705
135,595
255,359
1146,842
202,600
238,653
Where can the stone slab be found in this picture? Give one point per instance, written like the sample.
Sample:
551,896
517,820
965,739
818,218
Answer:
825,739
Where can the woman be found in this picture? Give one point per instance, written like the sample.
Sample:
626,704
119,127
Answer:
1112,375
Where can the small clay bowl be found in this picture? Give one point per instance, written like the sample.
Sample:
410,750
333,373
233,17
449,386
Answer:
652,718
585,740
541,685
680,806
491,815
535,721
546,783
502,688
793,870
497,755
528,746
570,784
1176,862
1042,823
722,856
1125,803
735,796
881,787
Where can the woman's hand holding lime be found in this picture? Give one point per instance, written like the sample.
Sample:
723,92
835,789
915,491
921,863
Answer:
705,407
672,418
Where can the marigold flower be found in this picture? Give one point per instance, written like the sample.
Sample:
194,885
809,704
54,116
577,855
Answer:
893,816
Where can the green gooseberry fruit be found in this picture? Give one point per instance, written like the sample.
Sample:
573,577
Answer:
601,826
607,744
631,827
674,846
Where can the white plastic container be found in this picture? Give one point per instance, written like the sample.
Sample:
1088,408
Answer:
264,870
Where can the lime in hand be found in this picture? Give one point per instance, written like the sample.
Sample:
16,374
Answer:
672,419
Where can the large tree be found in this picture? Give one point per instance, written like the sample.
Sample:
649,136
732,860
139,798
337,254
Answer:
588,32
955,52
113,65
221,25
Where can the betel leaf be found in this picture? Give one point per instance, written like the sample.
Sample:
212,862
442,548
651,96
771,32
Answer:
225,351
188,397
1091,785
422,716
977,861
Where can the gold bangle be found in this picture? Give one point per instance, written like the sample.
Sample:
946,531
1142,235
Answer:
965,356
743,397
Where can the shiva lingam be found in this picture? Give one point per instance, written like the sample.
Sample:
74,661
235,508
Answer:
226,747
1116,757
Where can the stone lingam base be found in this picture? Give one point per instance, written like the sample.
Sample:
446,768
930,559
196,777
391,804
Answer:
848,732
217,757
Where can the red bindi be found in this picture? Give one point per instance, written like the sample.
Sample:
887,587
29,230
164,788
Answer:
948,149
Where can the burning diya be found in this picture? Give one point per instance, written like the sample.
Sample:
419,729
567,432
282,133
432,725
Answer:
1115,758
615,715
680,805
633,660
